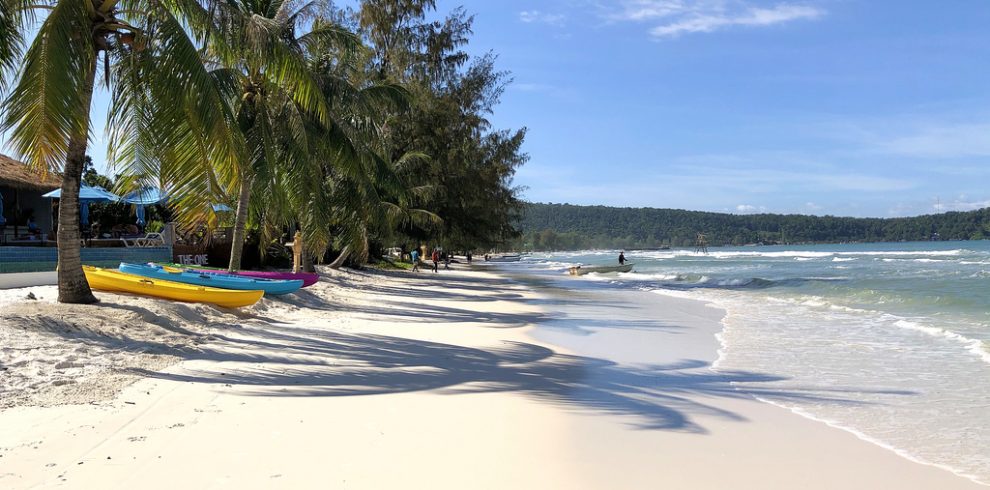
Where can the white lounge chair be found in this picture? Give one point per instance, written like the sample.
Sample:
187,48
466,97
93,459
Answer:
148,240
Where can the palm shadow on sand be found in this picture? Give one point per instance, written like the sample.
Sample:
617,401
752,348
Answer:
294,361
262,358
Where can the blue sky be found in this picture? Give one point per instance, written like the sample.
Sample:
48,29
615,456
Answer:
843,107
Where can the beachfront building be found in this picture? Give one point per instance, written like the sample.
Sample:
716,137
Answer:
28,253
22,202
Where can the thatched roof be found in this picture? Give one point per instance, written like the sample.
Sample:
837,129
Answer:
19,176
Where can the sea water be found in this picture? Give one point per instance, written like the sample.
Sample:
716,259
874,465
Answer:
889,341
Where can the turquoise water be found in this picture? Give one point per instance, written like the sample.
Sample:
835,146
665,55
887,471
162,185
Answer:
895,337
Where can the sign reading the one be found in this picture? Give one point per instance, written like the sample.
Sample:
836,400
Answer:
200,259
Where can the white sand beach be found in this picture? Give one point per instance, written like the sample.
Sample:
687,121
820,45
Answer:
402,380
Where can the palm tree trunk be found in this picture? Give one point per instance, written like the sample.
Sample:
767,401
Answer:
307,262
72,284
339,261
240,225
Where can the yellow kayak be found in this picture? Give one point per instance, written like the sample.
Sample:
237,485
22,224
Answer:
112,280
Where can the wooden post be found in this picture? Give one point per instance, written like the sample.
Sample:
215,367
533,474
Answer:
297,250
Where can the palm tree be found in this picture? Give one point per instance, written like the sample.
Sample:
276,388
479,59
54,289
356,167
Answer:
165,104
277,97
376,197
337,187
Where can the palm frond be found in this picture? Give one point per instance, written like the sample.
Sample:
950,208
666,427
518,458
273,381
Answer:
45,108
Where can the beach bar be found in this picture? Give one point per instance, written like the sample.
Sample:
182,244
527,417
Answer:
28,253
25,214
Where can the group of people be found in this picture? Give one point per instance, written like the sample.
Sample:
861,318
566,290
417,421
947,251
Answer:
436,257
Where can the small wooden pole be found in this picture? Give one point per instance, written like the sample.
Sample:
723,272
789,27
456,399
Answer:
297,250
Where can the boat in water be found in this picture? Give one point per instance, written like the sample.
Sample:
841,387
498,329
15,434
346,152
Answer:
581,270
202,278
505,258
119,282
308,278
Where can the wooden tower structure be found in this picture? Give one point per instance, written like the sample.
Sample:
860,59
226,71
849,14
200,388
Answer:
701,244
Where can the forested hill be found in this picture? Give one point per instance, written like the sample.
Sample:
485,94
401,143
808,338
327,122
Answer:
569,227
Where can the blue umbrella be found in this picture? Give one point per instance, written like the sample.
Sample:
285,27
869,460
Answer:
146,196
87,193
221,208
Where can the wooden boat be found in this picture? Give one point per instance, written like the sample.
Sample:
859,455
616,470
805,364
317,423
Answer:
308,278
600,269
204,278
504,258
116,281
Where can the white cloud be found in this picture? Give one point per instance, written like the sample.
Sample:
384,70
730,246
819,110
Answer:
640,10
943,141
691,16
750,209
750,17
749,175
962,203
538,17
812,206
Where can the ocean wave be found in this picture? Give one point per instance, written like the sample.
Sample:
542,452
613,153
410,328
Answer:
809,254
697,281
550,265
976,346
872,440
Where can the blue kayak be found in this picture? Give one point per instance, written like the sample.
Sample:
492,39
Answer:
269,286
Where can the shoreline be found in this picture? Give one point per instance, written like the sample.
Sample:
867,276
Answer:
718,346
447,380
903,453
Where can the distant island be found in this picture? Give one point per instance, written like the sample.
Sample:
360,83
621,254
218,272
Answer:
549,226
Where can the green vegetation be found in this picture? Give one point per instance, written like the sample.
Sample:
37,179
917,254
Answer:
143,51
360,128
568,227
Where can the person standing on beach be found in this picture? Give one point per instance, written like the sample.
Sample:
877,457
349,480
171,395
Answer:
414,255
436,260
622,258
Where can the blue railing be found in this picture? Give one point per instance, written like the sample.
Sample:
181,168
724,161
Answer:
44,259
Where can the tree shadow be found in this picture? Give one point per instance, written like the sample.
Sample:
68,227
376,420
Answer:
302,362
307,359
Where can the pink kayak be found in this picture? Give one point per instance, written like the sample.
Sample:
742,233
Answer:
308,278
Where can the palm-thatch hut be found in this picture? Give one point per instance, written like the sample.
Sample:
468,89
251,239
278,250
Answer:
20,195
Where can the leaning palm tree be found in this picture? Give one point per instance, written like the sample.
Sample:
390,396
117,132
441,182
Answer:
165,106
304,192
262,54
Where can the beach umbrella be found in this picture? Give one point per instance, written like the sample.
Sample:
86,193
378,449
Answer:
145,196
221,208
87,193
